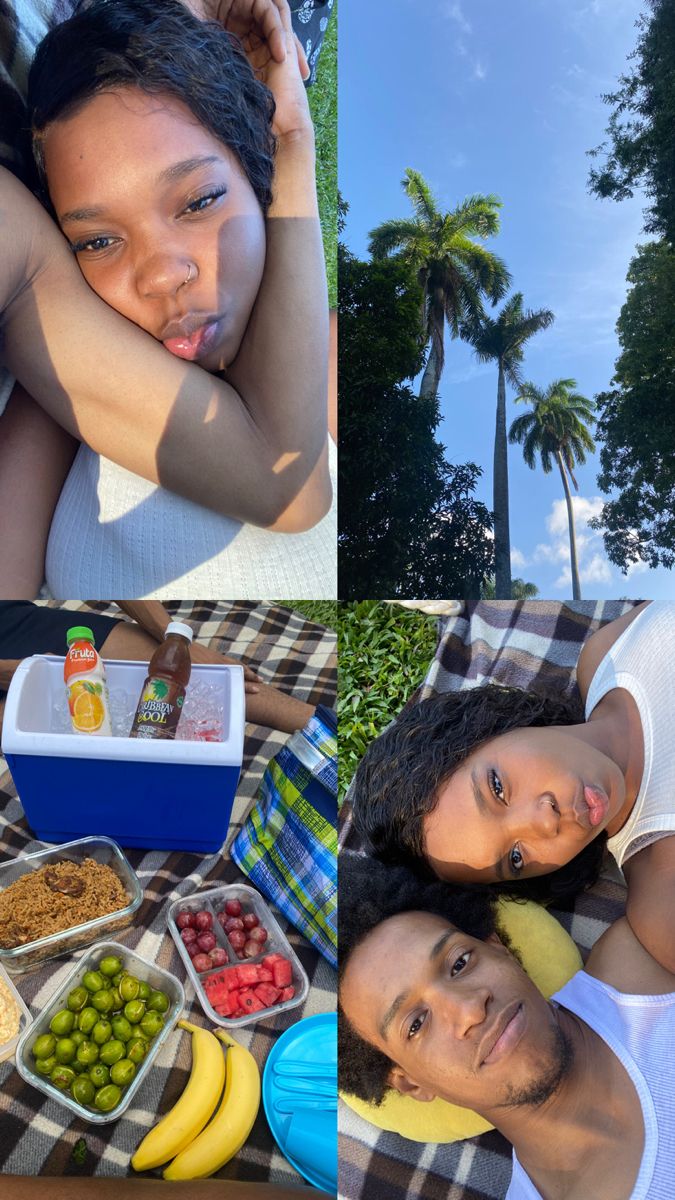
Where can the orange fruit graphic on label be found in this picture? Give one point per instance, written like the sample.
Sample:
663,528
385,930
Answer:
88,711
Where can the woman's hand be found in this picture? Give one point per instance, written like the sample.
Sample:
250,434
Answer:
202,654
260,18
283,78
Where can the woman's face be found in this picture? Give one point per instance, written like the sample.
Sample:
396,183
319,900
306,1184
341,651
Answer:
522,804
165,225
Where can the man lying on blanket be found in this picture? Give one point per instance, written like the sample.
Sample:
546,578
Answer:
432,1003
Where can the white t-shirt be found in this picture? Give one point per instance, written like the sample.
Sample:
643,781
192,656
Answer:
641,661
115,534
640,1030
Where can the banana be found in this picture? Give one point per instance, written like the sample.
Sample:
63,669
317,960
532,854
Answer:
192,1110
231,1125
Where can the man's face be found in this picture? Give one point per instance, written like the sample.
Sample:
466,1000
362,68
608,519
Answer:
459,1017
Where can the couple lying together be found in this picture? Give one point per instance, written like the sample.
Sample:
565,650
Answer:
178,162
493,789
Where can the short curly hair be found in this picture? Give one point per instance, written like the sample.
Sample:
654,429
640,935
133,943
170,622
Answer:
399,778
161,49
370,893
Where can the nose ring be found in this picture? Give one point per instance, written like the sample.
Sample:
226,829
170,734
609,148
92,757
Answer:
189,275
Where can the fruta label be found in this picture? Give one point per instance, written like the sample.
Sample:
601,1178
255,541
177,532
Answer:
84,676
81,657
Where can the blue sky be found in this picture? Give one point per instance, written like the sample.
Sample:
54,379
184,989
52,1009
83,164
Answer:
487,96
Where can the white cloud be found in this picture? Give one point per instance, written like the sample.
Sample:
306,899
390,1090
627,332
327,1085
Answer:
479,71
518,559
454,11
637,568
593,564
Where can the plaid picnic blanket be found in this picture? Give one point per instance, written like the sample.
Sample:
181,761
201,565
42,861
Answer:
37,1135
525,644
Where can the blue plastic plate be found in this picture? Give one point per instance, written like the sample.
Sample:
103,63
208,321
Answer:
313,1040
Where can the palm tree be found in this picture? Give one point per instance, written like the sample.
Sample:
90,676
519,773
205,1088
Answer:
502,340
453,269
557,429
520,590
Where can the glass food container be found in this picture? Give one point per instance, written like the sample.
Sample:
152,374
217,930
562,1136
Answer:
213,901
103,850
155,976
8,1048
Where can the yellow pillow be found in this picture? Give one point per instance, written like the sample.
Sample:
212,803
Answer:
550,958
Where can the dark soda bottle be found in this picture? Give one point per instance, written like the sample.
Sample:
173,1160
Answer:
161,701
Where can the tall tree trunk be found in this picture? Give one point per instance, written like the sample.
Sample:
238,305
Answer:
574,564
431,377
500,484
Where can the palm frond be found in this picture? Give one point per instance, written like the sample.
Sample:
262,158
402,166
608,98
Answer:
418,191
394,235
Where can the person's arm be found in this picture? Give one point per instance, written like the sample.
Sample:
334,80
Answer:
650,903
245,17
620,959
265,705
258,457
19,1187
35,457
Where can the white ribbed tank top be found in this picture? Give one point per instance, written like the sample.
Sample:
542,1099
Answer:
641,1032
115,534
641,662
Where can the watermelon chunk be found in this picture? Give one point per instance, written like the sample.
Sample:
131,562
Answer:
227,1005
267,993
286,994
282,973
248,974
264,974
216,995
249,1002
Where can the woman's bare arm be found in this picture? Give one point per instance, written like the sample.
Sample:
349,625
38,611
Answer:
35,457
257,457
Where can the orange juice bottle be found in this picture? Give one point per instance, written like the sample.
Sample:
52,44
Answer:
84,676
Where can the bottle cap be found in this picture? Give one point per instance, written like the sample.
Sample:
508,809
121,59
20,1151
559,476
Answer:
179,627
79,632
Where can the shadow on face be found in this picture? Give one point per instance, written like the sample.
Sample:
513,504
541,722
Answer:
164,223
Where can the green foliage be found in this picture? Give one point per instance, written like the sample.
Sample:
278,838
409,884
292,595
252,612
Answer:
454,270
641,149
384,652
322,97
79,1152
502,339
408,521
556,426
520,590
636,424
322,612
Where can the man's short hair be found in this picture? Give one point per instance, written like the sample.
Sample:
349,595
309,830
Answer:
370,893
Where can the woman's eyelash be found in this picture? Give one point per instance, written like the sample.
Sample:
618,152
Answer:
415,1026
213,194
90,243
496,786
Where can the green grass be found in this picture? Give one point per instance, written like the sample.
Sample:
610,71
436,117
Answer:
323,612
384,653
323,105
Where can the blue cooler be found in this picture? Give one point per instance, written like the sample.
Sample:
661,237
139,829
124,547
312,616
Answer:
160,795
